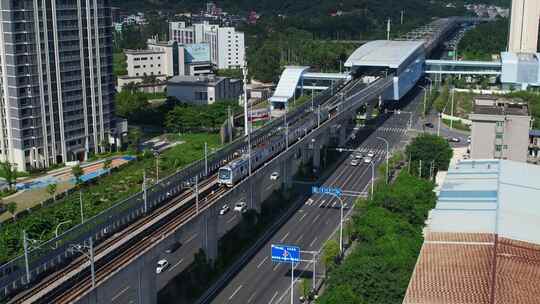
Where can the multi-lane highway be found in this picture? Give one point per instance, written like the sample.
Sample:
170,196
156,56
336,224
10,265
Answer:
261,280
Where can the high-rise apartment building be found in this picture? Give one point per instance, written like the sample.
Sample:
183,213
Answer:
525,18
57,86
227,48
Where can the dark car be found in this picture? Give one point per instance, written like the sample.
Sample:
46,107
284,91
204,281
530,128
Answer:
429,125
173,247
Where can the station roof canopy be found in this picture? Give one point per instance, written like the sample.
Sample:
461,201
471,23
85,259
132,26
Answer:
288,82
383,53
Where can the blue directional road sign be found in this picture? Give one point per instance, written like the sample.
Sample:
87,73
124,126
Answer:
327,190
285,253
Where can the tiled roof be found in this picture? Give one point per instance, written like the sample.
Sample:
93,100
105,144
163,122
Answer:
482,241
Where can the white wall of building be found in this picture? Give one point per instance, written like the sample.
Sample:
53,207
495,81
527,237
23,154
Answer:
145,63
524,26
227,46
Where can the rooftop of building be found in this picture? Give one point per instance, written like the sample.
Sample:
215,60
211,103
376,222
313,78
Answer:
142,52
383,53
494,105
482,240
208,80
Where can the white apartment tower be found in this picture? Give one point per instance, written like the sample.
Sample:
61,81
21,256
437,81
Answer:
525,18
227,48
56,80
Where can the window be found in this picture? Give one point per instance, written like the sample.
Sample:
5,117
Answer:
499,123
498,148
505,147
499,135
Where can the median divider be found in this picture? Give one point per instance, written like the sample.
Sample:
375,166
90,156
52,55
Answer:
240,262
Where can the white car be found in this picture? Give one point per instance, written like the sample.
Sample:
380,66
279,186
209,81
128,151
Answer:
367,160
358,156
162,265
469,140
240,207
371,153
354,162
274,176
224,209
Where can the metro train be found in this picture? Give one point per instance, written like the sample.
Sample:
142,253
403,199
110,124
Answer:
235,171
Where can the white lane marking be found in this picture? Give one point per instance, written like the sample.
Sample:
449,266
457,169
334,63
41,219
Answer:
272,299
190,238
299,238
262,262
303,216
236,291
121,292
251,298
322,203
334,204
231,219
309,202
179,262
276,267
313,242
284,237
316,218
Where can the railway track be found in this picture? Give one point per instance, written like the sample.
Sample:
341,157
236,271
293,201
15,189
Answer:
102,272
76,289
103,246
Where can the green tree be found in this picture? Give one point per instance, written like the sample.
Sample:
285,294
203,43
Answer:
51,190
11,207
9,173
330,254
77,172
432,151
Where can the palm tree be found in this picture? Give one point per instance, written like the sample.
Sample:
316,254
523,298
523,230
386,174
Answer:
107,165
51,190
77,172
12,208
9,172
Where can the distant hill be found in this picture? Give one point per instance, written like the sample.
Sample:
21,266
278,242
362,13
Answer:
294,7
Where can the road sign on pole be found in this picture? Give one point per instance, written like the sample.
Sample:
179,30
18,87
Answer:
285,253
327,190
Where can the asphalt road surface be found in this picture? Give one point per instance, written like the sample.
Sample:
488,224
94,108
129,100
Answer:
261,280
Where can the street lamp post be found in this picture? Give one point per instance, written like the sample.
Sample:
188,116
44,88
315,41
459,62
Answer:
372,178
425,99
387,154
58,227
340,221
156,155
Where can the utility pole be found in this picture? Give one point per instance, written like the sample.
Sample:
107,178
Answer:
205,158
197,193
387,156
372,179
388,28
420,169
402,13
230,123
452,109
26,263
246,117
81,204
145,193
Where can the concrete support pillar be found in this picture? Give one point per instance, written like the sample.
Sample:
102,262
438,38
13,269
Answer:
208,221
287,173
254,194
369,110
317,156
343,134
